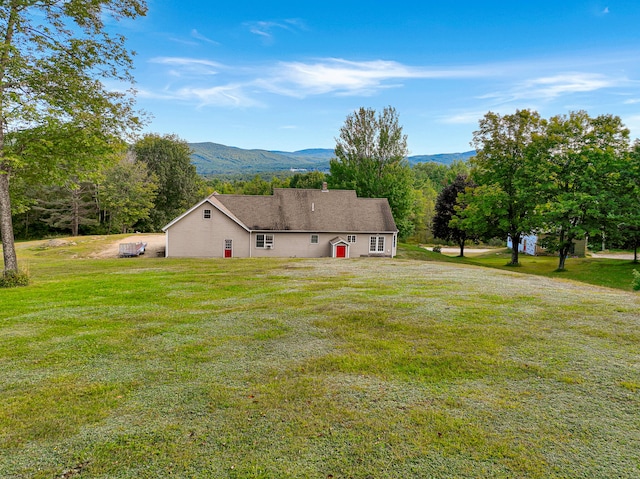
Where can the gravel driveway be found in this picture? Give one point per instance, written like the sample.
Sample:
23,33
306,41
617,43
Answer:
626,256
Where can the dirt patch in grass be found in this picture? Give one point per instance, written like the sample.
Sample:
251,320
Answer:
625,256
155,246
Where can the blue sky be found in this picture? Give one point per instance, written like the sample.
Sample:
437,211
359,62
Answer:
283,75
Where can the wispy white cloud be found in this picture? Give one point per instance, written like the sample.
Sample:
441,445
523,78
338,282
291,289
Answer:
184,61
196,34
183,41
551,87
209,82
153,94
266,29
195,39
192,80
261,28
230,95
344,77
183,66
567,83
331,76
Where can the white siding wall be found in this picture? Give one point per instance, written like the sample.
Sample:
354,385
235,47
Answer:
298,245
199,237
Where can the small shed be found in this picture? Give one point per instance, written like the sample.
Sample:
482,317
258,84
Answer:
529,244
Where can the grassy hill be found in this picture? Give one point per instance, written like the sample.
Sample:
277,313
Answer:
213,158
258,368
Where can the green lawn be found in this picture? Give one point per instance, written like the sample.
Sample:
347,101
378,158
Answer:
152,367
612,273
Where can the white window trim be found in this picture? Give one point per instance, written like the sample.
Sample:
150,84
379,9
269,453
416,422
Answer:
316,237
204,214
268,240
378,244
351,238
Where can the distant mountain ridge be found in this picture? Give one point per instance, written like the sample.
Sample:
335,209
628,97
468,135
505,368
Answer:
216,159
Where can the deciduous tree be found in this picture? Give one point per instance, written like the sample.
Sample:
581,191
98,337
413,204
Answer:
628,220
169,158
450,202
54,106
429,180
127,194
584,160
507,165
311,179
371,159
436,174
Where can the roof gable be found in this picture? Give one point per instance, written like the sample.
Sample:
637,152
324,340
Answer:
213,202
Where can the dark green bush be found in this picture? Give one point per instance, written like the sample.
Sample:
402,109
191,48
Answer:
636,280
11,279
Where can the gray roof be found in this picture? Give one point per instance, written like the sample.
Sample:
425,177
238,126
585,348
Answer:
290,209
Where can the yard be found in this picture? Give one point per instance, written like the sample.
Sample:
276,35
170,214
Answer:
151,367
610,270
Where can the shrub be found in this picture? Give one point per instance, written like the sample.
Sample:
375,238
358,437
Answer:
499,242
437,249
11,279
636,280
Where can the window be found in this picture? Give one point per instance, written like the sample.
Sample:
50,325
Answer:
264,241
206,214
314,239
376,244
351,238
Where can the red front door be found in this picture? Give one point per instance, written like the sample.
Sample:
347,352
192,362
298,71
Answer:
228,251
341,251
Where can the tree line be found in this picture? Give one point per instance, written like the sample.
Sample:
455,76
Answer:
567,178
70,157
142,188
148,184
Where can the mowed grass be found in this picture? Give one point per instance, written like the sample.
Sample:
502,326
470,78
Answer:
152,367
612,273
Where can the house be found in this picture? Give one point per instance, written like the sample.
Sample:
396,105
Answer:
289,223
529,245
